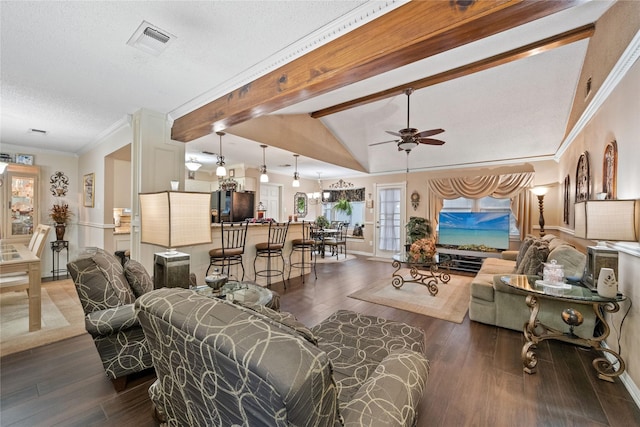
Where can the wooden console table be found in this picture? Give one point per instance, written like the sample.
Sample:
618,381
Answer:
427,274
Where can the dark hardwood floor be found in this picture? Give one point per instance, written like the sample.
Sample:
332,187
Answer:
476,376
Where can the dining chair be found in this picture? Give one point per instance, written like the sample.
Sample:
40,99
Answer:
20,281
338,242
271,249
306,244
231,250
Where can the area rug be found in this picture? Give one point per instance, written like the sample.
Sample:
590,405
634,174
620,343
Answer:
450,303
62,317
329,259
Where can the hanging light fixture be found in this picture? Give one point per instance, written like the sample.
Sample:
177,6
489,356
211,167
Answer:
296,176
193,164
263,169
220,170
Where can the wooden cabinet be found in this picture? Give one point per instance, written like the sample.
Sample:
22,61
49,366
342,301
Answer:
20,210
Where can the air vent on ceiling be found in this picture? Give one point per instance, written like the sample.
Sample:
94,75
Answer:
38,131
150,39
209,153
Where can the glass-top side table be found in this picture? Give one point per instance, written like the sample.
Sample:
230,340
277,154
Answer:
424,273
536,332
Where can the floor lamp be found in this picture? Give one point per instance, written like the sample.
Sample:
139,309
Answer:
173,219
540,192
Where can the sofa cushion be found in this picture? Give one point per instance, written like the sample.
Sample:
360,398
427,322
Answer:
524,246
481,287
532,261
114,272
138,278
497,266
572,260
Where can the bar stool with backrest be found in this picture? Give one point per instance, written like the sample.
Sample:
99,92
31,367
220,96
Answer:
231,251
306,244
270,249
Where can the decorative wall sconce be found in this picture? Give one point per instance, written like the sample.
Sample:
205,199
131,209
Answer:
59,184
415,200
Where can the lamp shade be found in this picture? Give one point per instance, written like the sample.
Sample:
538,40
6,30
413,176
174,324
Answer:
173,219
606,220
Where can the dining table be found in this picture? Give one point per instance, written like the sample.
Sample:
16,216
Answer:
322,234
17,258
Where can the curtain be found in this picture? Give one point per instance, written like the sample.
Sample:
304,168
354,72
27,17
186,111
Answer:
512,186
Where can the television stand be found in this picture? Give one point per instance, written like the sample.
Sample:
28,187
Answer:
463,260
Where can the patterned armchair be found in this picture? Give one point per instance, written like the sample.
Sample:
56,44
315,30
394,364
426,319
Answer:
219,363
107,291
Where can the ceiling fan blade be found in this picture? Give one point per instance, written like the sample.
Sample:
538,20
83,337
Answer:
392,133
383,142
430,141
431,132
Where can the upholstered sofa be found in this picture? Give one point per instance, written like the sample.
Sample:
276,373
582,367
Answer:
220,363
494,303
107,291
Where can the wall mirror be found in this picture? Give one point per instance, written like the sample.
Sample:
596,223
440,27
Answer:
300,204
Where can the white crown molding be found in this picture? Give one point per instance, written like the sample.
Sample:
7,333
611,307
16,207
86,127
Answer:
358,17
125,121
626,61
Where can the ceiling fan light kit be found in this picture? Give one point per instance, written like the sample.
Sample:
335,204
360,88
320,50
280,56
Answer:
193,164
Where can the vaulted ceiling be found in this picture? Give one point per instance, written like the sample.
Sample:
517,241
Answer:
323,79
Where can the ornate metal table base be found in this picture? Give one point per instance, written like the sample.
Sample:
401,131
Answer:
536,332
428,276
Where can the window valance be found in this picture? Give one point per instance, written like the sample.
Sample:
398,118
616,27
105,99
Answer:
504,186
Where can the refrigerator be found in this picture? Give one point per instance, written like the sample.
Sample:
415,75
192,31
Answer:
230,206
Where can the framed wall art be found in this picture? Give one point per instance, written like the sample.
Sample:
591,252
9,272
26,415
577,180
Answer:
24,159
610,170
88,193
567,194
583,178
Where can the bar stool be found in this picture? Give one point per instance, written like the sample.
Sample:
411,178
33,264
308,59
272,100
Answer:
303,245
270,249
233,236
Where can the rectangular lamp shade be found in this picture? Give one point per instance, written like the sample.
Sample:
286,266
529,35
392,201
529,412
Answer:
606,220
175,218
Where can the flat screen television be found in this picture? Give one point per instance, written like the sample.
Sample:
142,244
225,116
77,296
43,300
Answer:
474,228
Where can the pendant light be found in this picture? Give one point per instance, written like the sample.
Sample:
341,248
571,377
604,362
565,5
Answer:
220,170
263,169
193,164
296,177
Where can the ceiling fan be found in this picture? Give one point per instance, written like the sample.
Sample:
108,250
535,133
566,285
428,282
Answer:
410,137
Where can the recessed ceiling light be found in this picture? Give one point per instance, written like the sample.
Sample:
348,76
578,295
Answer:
150,39
38,131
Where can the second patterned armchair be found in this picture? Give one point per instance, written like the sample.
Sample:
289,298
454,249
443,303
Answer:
107,291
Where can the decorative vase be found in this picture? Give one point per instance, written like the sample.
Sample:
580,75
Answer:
60,229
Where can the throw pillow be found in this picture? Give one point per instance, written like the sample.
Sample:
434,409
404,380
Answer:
138,278
283,320
534,258
524,247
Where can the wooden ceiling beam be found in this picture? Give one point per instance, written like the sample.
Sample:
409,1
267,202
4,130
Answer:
535,48
412,32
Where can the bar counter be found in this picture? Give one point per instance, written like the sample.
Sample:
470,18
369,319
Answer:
256,233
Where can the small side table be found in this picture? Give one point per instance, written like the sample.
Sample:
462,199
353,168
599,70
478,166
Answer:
56,247
536,332
171,270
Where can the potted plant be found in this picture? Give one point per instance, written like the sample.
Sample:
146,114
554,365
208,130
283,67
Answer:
417,228
322,221
61,215
343,205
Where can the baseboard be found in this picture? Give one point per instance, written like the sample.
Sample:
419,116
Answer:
631,387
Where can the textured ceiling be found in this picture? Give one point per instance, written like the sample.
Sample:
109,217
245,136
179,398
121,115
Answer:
66,69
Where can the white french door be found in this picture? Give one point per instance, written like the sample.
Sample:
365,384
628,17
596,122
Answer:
270,198
390,203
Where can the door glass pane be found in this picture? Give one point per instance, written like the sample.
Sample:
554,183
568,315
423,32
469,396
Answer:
22,192
389,218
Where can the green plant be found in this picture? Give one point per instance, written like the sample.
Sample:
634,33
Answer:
322,221
343,205
417,228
